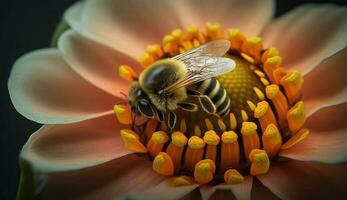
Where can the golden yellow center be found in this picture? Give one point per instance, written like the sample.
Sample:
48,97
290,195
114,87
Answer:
266,114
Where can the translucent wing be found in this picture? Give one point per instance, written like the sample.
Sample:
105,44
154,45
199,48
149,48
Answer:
213,48
204,63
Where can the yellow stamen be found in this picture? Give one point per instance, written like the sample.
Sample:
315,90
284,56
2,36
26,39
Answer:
214,31
232,177
177,35
259,73
169,45
233,122
195,35
264,114
278,74
182,181
260,162
298,137
265,81
146,59
270,65
272,140
248,58
123,114
155,50
279,101
221,125
230,151
176,147
236,38
251,105
163,164
292,83
151,126
127,73
244,115
250,138
204,170
259,93
253,46
212,140
195,152
157,142
131,141
271,52
197,131
208,124
296,117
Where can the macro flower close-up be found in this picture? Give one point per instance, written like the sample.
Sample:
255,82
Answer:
186,99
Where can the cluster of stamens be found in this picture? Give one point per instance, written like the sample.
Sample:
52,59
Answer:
222,149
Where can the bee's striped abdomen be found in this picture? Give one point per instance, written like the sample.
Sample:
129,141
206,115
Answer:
217,94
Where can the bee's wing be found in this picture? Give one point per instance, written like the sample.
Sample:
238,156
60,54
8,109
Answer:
213,48
201,68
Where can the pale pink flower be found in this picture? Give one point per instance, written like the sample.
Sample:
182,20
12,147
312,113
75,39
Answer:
79,154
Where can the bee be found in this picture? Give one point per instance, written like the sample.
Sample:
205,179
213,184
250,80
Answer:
165,85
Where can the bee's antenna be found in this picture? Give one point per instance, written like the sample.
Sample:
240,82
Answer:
122,93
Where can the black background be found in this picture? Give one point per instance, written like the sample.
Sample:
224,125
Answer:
26,25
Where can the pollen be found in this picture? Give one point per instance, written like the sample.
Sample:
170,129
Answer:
163,164
131,141
127,73
264,113
123,114
232,177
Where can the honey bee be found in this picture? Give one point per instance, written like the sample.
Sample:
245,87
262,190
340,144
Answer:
164,86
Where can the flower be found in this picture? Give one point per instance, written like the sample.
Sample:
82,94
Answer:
79,153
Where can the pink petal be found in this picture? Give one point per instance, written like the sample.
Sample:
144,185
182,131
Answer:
249,17
327,141
94,62
166,191
129,26
43,88
111,180
308,34
241,191
55,148
306,180
326,85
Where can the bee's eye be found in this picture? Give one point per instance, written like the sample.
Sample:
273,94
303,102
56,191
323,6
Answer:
145,108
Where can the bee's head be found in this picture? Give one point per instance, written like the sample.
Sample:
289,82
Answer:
139,102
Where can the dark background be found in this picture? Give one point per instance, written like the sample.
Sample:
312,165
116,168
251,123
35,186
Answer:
26,25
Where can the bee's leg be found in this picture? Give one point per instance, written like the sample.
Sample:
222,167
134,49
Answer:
207,104
191,107
192,92
159,114
171,121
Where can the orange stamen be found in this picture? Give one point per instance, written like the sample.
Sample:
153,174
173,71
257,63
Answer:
272,140
195,152
232,177
204,171
157,142
163,164
264,114
176,147
279,100
212,140
250,138
292,83
230,152
296,117
260,162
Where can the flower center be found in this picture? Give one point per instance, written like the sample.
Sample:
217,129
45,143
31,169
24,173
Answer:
259,100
